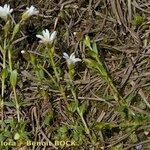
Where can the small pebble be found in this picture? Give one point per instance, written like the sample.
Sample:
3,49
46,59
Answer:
22,52
138,146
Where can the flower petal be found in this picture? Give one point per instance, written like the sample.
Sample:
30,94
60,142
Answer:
72,56
66,56
47,34
11,10
77,59
53,36
40,37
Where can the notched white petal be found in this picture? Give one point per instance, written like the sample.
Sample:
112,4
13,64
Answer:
77,59
72,55
40,37
65,55
53,36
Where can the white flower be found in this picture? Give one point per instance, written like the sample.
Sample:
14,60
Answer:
47,37
32,11
71,59
29,12
5,11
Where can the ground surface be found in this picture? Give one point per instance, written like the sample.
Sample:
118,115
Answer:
121,31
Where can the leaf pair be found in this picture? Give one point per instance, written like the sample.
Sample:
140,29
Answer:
13,76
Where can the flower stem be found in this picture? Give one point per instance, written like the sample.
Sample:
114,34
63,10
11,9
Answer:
17,105
61,89
74,94
10,58
70,76
54,67
3,81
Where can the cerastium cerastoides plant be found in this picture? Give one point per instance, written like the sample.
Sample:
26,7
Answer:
95,62
47,39
10,29
71,60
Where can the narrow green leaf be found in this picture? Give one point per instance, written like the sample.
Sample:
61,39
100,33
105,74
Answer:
93,54
91,63
82,109
9,104
33,60
17,136
63,129
13,78
16,29
7,27
72,106
4,73
95,48
87,42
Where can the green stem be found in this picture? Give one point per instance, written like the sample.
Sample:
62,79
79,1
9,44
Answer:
54,67
70,75
50,76
3,80
2,99
115,93
72,88
85,125
57,82
63,94
102,71
17,105
10,58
